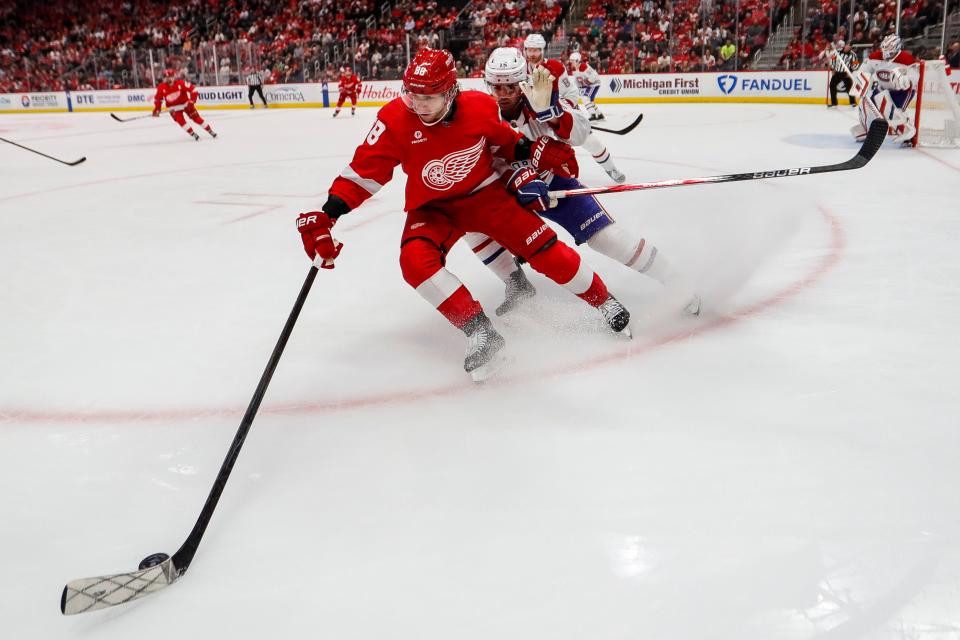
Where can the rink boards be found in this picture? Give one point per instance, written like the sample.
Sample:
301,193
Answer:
796,87
746,86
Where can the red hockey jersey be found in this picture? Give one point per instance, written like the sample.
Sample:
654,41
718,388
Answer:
445,161
349,84
176,94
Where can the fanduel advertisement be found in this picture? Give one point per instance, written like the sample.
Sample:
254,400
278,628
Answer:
745,86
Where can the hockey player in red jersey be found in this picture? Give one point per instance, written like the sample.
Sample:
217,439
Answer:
180,97
445,141
349,86
534,47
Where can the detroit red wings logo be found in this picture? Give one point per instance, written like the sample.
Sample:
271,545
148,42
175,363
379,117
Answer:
452,168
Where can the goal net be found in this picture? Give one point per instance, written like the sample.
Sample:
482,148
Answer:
937,106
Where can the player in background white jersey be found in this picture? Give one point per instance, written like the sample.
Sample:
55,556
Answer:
534,47
588,80
536,111
886,82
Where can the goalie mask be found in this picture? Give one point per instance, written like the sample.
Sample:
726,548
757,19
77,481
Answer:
891,46
430,85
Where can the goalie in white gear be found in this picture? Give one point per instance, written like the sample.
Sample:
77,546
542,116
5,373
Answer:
533,51
886,83
528,107
588,80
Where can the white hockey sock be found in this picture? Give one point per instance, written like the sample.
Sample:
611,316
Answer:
618,243
492,254
599,153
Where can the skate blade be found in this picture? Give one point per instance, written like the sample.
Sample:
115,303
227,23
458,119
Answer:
627,332
489,370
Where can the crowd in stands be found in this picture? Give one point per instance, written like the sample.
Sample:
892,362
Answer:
87,44
869,23
505,23
629,36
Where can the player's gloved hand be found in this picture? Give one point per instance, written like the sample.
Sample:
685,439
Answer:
541,96
900,80
529,190
315,231
548,154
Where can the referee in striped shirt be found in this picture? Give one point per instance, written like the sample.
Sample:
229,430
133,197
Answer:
840,76
255,85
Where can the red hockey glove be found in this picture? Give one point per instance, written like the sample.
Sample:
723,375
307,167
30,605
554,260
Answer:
548,154
156,113
529,190
318,242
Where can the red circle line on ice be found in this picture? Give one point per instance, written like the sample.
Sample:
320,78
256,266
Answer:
836,248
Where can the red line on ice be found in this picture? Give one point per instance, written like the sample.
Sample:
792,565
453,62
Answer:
836,249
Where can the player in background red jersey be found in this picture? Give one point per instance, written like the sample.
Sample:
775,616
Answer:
349,86
180,97
445,141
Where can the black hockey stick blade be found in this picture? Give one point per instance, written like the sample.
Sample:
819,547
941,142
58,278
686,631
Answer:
69,164
160,570
869,148
620,132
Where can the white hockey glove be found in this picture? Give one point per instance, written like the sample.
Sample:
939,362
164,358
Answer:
541,96
900,79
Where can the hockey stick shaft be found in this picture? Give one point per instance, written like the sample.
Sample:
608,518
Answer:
620,132
69,164
184,555
878,130
91,594
119,119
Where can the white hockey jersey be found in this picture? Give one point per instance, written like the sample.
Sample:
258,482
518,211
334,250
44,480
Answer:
585,75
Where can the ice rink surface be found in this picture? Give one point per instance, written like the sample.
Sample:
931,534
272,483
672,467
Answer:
785,466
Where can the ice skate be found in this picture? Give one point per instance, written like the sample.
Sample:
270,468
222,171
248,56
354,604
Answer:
693,306
336,113
617,176
518,289
196,136
353,112
592,117
483,344
616,316
600,117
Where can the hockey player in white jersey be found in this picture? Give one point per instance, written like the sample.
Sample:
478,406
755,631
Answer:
887,82
534,109
588,80
534,47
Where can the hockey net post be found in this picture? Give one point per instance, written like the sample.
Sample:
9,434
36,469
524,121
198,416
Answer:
936,108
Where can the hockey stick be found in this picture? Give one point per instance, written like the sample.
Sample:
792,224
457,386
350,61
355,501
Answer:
878,130
160,570
119,119
620,132
69,164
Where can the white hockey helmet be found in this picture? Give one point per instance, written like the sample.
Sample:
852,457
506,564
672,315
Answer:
891,46
505,65
575,57
534,41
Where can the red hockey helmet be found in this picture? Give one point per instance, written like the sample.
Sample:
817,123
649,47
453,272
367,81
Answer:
430,85
169,74
430,72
